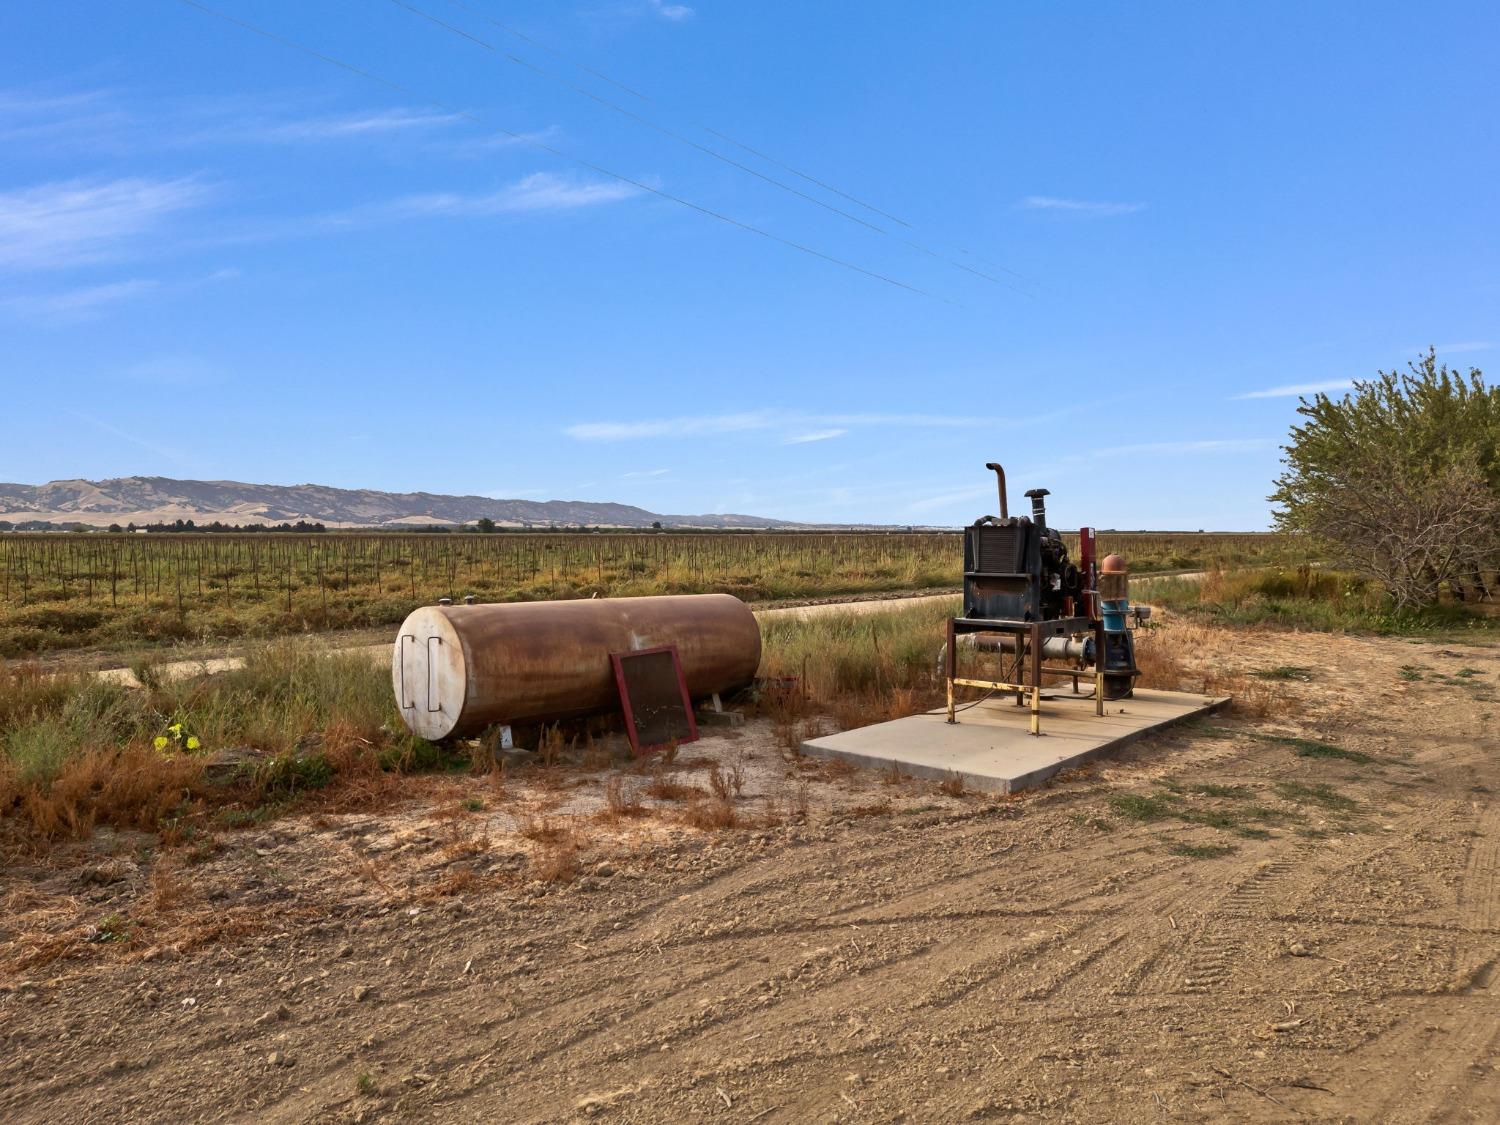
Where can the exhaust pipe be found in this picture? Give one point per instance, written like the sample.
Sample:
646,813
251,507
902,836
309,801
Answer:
1000,474
1039,507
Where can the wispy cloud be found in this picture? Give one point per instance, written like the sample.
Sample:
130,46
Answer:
1206,445
347,125
1467,346
799,426
661,427
674,12
116,122
645,473
65,224
624,12
1078,206
1295,390
88,302
134,439
813,435
72,305
497,142
1168,448
540,191
945,499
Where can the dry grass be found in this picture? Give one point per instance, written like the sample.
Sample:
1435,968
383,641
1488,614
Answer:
622,801
556,864
710,813
954,785
130,787
545,830
1190,656
664,786
76,752
835,769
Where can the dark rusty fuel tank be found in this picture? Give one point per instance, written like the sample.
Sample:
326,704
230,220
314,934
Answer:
459,669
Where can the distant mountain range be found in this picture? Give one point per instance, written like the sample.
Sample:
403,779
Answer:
143,500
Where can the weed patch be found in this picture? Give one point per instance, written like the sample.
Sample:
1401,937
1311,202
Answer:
1136,806
1323,795
1312,748
1203,851
1286,672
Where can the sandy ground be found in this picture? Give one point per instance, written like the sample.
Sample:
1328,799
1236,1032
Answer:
862,948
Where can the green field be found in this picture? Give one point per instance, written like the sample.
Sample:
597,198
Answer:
72,590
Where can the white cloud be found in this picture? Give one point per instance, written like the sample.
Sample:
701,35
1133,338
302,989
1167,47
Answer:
674,12
662,427
813,435
540,191
1467,346
1188,448
348,125
76,304
64,224
69,306
944,499
1209,445
484,146
1294,390
801,427
115,122
645,473
1078,206
796,426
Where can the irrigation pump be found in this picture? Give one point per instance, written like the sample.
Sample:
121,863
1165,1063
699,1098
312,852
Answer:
1026,600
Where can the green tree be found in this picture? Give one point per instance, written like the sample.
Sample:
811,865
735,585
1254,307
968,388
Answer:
1400,479
484,525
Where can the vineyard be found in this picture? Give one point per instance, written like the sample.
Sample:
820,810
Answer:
65,591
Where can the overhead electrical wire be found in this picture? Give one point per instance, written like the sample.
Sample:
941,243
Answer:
688,141
741,145
539,45
407,91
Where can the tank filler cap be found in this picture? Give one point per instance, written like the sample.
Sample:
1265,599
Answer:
1113,564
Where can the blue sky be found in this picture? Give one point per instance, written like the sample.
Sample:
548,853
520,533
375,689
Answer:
224,258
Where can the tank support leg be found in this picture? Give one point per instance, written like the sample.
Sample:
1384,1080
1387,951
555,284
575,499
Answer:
1036,678
951,658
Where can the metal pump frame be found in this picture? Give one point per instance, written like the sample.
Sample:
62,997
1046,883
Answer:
1029,637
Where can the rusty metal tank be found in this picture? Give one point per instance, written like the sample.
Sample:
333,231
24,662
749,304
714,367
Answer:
458,669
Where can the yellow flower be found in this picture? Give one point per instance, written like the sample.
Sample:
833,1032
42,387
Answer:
193,743
175,728
160,742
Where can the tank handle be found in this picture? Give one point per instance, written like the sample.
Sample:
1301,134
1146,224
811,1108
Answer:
405,706
431,668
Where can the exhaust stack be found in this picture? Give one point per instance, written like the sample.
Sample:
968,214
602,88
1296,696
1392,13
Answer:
1000,474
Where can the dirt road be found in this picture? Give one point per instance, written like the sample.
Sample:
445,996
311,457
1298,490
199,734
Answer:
1222,924
381,652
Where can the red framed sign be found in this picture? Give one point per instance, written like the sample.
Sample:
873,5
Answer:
654,698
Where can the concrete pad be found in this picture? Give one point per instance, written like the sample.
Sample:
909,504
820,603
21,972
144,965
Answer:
992,746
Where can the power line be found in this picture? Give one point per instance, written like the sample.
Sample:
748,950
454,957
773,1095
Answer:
455,30
662,129
645,98
533,142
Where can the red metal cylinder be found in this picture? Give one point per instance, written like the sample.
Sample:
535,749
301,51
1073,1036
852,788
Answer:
459,669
